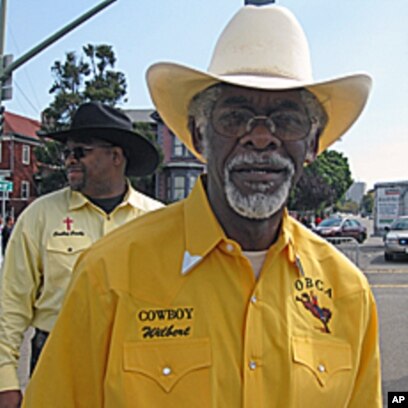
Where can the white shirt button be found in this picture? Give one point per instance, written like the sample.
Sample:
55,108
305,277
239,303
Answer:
166,371
229,247
254,299
252,365
321,368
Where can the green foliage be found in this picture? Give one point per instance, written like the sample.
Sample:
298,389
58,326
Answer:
367,203
322,184
51,175
87,77
348,207
83,78
146,184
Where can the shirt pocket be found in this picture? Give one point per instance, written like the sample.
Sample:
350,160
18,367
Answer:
323,372
61,254
168,373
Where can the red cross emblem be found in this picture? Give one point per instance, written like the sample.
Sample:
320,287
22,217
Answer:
68,221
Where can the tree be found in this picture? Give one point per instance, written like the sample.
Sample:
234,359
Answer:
89,76
367,203
322,184
146,184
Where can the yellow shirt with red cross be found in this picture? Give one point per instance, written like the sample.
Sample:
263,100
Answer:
167,313
46,242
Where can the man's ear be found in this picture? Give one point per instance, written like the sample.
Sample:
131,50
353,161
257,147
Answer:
118,155
196,135
312,149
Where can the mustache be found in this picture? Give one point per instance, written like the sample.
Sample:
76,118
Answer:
273,159
77,166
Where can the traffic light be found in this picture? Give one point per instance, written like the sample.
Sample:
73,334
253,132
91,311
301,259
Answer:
2,109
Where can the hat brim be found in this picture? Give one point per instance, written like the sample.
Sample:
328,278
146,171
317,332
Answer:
172,86
142,156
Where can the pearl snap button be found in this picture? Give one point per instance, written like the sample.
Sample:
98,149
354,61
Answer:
229,247
321,368
254,299
166,371
252,365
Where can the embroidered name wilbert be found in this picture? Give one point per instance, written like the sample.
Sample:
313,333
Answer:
177,322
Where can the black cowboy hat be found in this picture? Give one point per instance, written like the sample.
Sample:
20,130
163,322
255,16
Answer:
98,121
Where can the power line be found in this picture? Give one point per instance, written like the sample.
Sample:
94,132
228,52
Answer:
27,99
38,109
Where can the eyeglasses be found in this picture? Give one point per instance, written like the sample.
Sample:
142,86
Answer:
80,152
284,124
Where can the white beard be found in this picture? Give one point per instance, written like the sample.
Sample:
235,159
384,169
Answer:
260,205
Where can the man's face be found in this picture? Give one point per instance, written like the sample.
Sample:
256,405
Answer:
88,166
255,145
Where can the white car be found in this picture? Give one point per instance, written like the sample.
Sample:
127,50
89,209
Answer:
396,239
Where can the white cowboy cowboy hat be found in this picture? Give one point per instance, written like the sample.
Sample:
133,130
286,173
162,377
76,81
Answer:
260,48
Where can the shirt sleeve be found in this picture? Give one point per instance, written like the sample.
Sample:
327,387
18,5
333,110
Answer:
72,365
367,389
21,279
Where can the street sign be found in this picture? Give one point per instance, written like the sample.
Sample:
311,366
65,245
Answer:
6,186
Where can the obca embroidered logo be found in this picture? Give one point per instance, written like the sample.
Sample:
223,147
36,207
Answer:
311,303
306,294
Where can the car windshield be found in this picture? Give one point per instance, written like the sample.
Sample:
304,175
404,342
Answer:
400,225
330,222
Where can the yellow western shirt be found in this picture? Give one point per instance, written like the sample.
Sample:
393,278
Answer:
166,312
47,240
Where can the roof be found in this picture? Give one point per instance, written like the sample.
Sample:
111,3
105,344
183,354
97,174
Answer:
140,115
21,125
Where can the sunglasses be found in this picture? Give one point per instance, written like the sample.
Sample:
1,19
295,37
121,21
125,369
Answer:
80,152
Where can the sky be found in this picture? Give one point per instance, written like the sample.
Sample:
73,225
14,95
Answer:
345,36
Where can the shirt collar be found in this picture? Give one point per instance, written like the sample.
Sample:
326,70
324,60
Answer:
203,232
78,200
289,233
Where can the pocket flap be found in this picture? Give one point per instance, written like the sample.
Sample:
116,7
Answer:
166,362
323,358
68,245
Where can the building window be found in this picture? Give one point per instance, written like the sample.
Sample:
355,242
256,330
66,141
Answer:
26,154
25,190
179,188
179,150
191,181
179,185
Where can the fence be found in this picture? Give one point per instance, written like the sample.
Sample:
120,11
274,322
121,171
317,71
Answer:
349,246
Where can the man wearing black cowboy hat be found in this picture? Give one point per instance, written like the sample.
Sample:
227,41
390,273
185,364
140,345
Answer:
100,150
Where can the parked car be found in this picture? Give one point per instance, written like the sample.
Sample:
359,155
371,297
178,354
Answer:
342,227
396,239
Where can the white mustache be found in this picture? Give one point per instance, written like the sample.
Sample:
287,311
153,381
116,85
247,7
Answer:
273,159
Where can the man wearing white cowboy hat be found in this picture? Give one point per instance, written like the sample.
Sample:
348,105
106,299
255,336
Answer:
223,300
100,147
